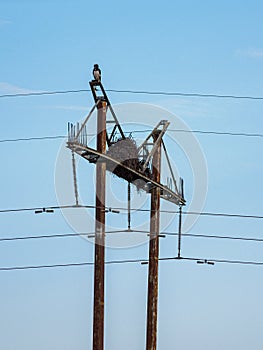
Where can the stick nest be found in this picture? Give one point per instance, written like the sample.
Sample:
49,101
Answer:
125,151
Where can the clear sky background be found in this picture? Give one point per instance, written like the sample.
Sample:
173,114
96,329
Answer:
207,47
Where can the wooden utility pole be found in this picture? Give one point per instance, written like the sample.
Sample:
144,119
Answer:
154,251
98,310
179,232
146,167
129,205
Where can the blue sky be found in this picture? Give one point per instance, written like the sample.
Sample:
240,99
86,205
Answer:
191,47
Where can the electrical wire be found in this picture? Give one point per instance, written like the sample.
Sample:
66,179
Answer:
201,235
43,93
229,215
15,210
128,261
139,92
227,261
212,236
83,234
40,138
225,133
185,94
58,235
206,132
54,235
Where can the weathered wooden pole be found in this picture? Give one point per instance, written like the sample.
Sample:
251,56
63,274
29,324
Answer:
179,232
98,309
129,205
151,338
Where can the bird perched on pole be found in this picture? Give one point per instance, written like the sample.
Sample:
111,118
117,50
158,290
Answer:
96,72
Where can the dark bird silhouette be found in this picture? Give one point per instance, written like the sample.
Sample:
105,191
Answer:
96,72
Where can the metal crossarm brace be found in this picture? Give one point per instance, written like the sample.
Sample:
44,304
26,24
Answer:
93,85
156,142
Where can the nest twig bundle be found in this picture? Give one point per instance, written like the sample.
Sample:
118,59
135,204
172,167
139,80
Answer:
125,151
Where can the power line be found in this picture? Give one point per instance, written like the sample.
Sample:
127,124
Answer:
219,133
56,207
34,267
139,92
227,261
185,94
33,138
128,261
43,93
200,235
218,214
212,236
206,132
87,234
224,215
54,235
